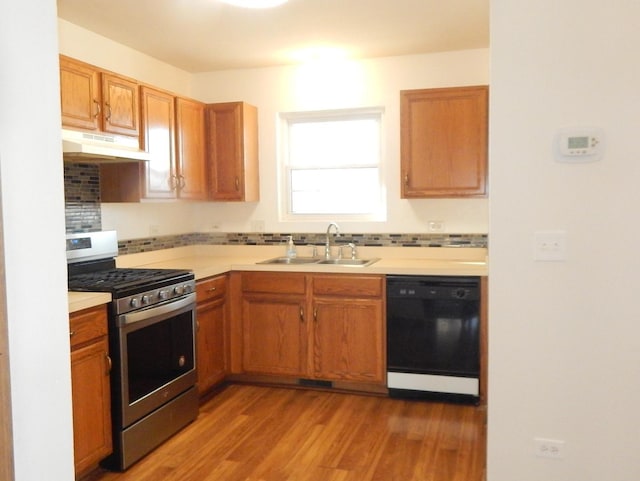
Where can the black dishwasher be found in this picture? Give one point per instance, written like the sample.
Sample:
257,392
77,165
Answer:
433,337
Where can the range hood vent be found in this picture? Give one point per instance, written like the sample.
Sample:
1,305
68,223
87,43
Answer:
93,148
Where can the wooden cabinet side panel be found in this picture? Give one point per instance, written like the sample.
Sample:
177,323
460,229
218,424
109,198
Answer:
91,404
190,149
80,95
444,142
157,138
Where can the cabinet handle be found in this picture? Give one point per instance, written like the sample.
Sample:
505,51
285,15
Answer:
301,314
109,363
107,111
197,326
406,180
72,333
182,182
212,289
98,108
237,184
173,182
315,314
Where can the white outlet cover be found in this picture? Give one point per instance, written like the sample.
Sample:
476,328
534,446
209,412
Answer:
550,245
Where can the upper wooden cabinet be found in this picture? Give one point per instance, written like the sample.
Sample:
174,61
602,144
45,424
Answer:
92,99
190,175
158,120
444,142
232,151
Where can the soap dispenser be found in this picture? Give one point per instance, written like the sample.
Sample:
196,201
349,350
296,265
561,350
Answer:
291,248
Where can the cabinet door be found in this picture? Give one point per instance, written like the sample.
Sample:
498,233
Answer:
348,340
80,95
190,149
444,142
91,404
274,335
232,151
120,105
211,356
158,134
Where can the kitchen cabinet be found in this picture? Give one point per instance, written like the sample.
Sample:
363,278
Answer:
189,179
314,326
232,151
158,121
444,142
211,345
90,378
97,100
274,323
348,333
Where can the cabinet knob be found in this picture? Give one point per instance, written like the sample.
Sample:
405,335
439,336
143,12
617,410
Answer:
406,180
301,314
107,115
237,184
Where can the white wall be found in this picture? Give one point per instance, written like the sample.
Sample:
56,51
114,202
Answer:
33,229
272,90
564,337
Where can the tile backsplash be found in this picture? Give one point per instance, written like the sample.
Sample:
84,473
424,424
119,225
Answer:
82,212
82,197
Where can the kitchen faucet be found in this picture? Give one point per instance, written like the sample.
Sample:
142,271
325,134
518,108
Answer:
327,244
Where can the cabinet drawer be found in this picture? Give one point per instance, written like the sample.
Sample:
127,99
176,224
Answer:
87,324
212,288
347,285
274,282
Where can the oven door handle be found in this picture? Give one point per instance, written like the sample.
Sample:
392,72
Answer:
170,307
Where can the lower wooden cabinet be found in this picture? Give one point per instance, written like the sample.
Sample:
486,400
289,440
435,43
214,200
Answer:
211,346
90,382
315,326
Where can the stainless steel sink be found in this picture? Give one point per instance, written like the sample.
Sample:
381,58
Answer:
316,260
290,260
349,262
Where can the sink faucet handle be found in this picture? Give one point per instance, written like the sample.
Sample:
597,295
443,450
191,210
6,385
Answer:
354,250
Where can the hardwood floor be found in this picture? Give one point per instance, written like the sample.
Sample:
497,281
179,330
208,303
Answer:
253,433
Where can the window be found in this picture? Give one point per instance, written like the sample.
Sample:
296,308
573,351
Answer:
330,165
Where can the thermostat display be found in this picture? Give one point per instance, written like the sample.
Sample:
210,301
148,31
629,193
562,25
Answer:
584,145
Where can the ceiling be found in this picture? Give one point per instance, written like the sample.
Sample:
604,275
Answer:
207,35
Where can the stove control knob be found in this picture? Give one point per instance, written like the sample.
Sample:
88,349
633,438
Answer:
188,288
179,290
134,302
145,299
163,294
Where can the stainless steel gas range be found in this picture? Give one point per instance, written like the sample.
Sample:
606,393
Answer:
152,329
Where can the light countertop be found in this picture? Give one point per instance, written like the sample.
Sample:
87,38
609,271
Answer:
210,260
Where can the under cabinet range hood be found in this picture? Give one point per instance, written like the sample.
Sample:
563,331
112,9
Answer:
88,147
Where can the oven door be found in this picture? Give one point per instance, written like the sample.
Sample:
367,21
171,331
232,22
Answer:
156,356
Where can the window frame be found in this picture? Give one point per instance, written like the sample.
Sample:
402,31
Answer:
286,119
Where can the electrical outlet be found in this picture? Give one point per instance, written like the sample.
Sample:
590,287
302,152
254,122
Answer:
549,448
550,245
257,226
435,226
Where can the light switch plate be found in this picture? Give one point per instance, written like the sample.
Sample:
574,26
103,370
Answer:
550,245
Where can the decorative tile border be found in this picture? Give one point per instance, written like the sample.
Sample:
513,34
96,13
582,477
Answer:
134,246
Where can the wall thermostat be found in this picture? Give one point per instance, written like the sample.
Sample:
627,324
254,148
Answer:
579,145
